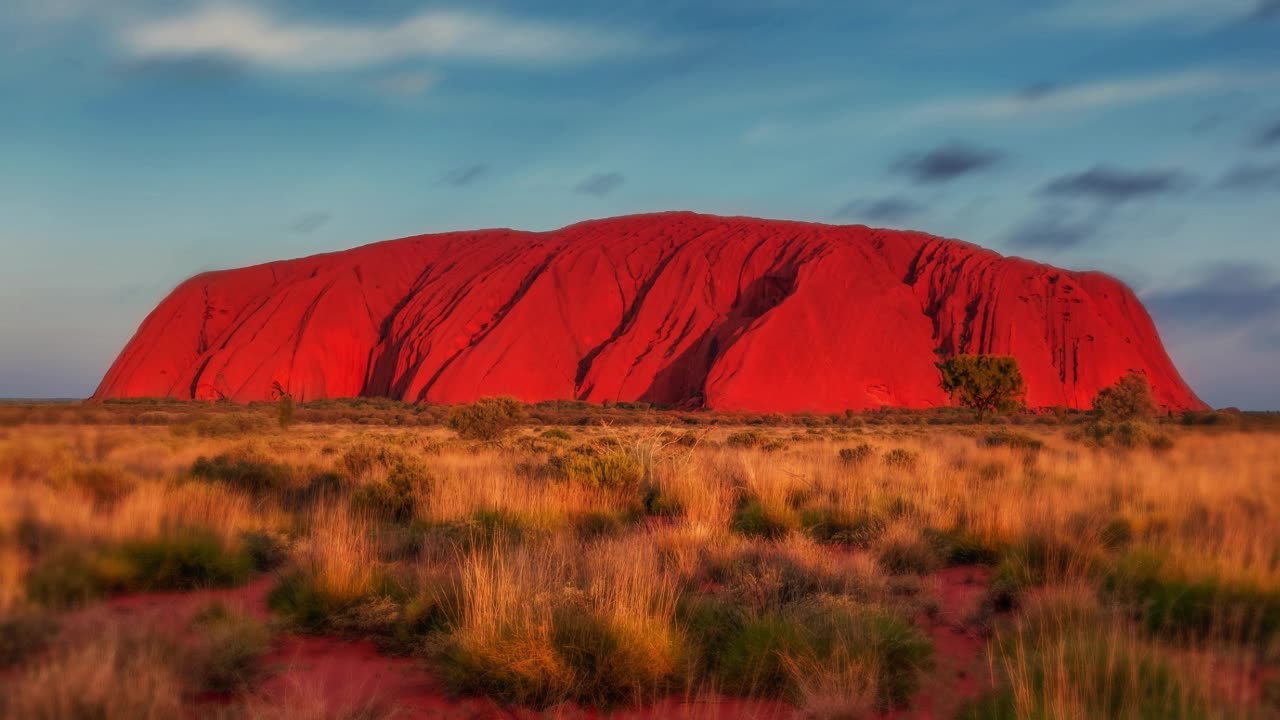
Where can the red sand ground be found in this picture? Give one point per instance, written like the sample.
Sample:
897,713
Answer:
676,309
333,675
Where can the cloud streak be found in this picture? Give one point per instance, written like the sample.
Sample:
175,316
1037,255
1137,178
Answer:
1055,228
600,184
1223,296
1251,177
1113,185
1269,136
886,209
1091,14
1049,99
253,36
946,163
466,175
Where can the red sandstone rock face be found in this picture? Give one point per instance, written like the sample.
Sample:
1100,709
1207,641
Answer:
676,309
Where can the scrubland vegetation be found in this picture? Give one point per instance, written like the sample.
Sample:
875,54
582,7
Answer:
610,558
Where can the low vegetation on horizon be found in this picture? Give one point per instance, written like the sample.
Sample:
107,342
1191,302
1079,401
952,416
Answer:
1113,564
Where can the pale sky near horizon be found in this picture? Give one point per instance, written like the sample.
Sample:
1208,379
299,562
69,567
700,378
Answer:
143,141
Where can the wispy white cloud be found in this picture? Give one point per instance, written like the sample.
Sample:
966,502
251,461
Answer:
251,35
1132,13
409,83
1089,97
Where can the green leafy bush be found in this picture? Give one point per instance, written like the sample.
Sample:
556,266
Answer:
227,649
486,419
757,519
744,439
766,654
1013,440
612,469
1128,399
245,469
183,560
902,458
858,454
986,383
834,526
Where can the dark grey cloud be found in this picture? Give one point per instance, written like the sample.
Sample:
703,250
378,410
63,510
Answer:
1270,135
1055,228
947,162
465,175
1038,91
194,71
886,209
310,222
1248,176
1266,10
600,184
1223,296
1113,185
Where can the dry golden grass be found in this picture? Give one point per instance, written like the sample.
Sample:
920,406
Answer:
114,674
536,587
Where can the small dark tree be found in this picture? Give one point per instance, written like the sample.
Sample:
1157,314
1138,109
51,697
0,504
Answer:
986,383
284,405
1129,399
487,418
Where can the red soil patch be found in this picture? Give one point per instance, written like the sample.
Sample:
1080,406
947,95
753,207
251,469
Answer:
960,672
333,675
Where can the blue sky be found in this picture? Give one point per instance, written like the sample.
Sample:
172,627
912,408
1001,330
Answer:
142,141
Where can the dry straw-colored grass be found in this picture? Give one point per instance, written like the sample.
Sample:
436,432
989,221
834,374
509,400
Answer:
534,609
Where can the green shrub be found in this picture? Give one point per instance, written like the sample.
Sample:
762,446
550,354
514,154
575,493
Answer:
589,658
756,519
227,651
598,523
744,439
986,383
1128,399
69,576
765,654
1117,534
907,555
1127,434
766,577
659,504
1013,440
305,606
902,458
1037,559
245,469
396,498
106,484
858,454
959,547
486,419
367,456
833,526
224,424
183,560
613,469
1070,657
267,551
1192,609
484,528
